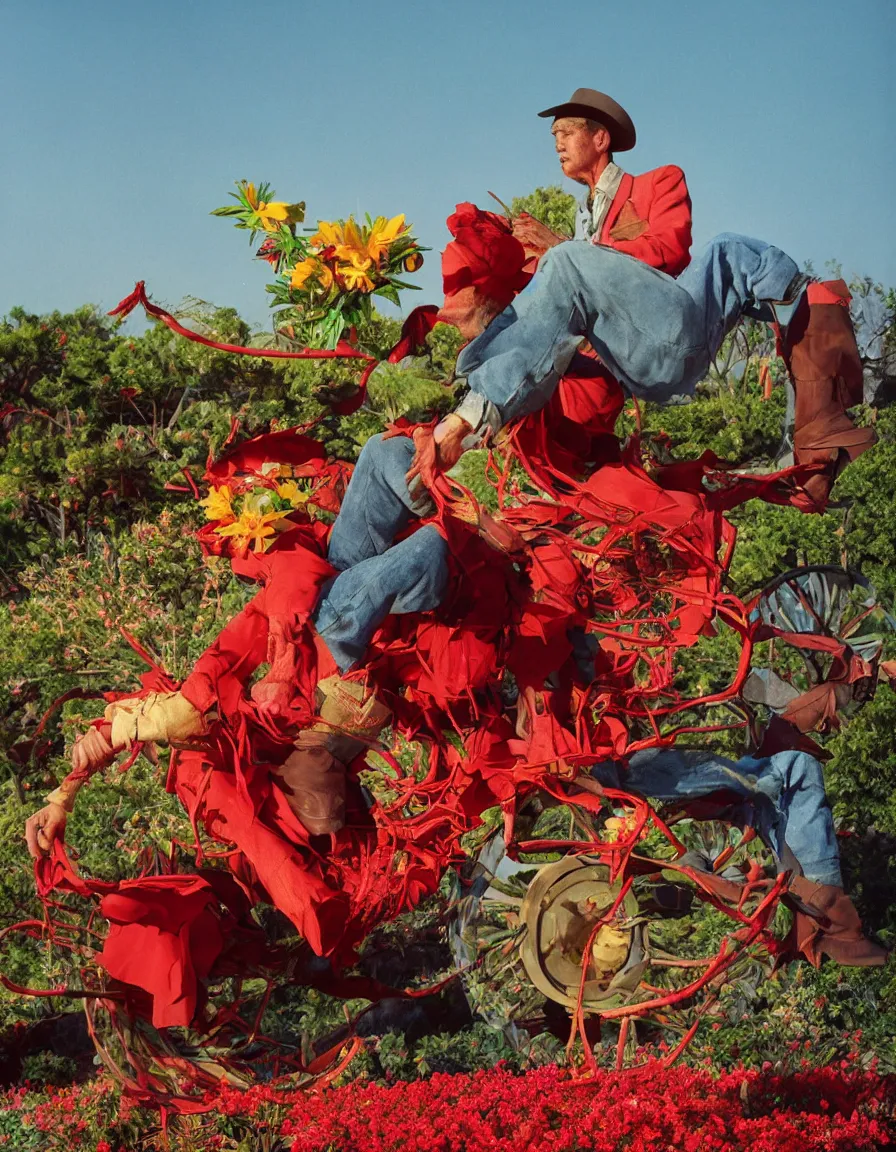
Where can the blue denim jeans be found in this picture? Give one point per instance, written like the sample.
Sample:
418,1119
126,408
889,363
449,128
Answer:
783,797
656,334
376,575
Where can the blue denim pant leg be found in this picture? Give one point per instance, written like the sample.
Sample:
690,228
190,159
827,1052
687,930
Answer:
408,577
657,334
732,277
784,797
377,505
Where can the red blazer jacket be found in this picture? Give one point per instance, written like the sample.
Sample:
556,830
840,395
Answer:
650,219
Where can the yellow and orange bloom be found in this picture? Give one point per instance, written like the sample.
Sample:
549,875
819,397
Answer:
303,272
311,268
383,235
358,245
254,528
357,259
293,493
327,235
355,278
218,504
272,216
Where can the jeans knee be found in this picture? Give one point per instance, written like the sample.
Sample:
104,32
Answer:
561,258
424,571
386,456
726,242
426,554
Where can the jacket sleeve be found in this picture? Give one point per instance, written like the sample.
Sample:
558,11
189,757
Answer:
667,242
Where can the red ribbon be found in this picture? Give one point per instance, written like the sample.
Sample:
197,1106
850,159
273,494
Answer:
342,351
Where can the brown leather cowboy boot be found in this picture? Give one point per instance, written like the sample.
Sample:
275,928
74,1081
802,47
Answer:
842,939
313,777
819,348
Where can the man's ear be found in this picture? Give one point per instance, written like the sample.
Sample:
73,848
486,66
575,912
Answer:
602,140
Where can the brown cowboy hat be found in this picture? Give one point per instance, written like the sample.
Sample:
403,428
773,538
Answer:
599,106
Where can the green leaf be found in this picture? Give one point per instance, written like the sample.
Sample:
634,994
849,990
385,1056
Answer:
390,292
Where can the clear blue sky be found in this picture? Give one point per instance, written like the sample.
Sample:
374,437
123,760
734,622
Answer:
126,123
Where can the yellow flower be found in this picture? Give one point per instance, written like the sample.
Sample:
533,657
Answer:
327,235
356,244
272,216
353,237
355,278
303,271
382,235
308,268
217,504
353,250
348,240
325,277
252,197
357,259
254,528
292,492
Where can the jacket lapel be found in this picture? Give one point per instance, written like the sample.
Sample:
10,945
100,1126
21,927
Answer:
619,200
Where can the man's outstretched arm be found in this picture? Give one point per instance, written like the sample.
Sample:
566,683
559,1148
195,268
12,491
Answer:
158,718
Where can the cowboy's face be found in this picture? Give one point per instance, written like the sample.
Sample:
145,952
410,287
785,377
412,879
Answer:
580,148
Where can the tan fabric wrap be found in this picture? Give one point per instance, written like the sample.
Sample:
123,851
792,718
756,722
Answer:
351,718
351,708
64,796
160,717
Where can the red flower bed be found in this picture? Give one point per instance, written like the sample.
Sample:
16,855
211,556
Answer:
546,1112
837,1109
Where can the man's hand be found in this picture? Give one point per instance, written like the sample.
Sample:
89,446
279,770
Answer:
43,828
94,749
437,451
534,236
448,436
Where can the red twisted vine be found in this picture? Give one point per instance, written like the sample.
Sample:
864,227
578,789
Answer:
342,351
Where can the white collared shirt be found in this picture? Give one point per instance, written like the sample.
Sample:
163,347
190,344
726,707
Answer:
594,208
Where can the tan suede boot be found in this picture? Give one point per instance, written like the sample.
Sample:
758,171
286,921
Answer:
841,938
313,777
819,348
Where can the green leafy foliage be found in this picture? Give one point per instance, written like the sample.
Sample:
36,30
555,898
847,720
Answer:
552,206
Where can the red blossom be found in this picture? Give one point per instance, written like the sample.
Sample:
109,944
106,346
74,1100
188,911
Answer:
484,254
268,251
651,1109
